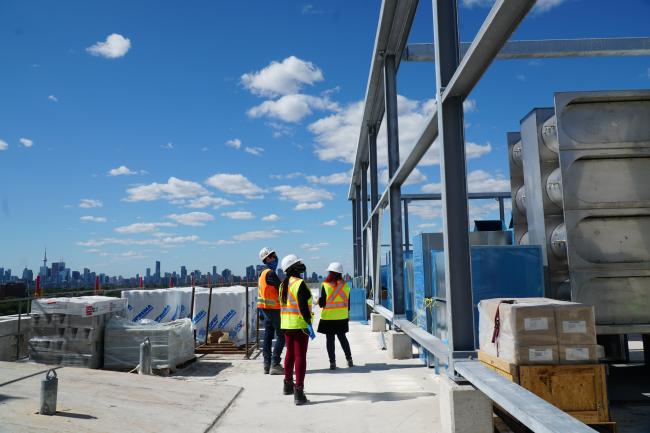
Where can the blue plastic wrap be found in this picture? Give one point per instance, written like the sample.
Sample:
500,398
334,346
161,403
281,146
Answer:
357,304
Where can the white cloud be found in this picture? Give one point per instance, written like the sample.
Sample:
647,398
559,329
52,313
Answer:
477,181
272,217
342,178
415,177
114,47
540,6
337,135
234,184
88,203
3,145
303,194
348,228
469,105
257,151
330,223
122,170
258,234
315,247
235,143
239,215
26,142
143,227
205,201
192,218
282,78
309,206
425,209
163,242
174,189
292,108
168,146
53,98
287,176
93,219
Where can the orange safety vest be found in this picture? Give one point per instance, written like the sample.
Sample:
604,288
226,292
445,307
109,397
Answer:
338,300
267,294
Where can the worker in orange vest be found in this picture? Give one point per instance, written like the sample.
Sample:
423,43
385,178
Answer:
268,306
334,301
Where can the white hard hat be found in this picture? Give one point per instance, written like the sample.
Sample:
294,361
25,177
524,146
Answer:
288,261
265,252
335,267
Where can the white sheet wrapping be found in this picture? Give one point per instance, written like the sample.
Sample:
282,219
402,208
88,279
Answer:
84,306
171,343
159,305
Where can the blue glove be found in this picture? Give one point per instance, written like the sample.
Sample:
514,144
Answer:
312,334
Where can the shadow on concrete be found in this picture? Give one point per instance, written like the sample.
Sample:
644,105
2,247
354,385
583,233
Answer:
366,368
74,415
203,369
5,397
372,397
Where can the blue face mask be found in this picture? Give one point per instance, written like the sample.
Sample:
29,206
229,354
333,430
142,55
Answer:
272,265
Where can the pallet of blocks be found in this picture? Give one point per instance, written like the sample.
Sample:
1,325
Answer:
70,331
549,348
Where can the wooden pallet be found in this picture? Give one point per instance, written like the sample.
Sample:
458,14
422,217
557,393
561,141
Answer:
225,348
580,390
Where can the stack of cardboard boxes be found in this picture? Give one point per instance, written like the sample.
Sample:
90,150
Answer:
530,331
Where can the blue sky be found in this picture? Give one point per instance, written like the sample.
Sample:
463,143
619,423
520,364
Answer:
197,132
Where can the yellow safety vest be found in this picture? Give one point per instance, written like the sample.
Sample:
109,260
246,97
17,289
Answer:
337,303
267,295
290,316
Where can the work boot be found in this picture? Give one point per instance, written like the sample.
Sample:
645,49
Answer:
332,365
277,370
267,368
299,397
288,387
350,363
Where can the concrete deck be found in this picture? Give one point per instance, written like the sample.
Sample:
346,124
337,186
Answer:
377,395
107,402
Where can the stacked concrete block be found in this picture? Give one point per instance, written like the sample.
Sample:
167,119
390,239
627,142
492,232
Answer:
13,335
70,331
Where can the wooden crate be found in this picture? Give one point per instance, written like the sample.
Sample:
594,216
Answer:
580,390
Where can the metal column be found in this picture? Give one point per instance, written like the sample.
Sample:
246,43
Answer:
355,226
397,252
502,213
407,236
364,218
359,228
454,185
374,198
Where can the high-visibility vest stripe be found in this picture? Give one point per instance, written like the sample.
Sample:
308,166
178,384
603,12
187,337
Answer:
290,315
337,301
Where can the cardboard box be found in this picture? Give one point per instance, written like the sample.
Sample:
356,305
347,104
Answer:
578,354
535,355
576,324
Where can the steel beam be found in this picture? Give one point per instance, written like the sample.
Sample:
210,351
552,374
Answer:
502,211
355,226
407,237
392,133
395,21
501,22
358,240
453,178
546,49
374,218
364,218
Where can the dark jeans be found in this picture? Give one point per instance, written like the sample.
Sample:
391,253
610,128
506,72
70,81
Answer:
344,344
271,327
296,357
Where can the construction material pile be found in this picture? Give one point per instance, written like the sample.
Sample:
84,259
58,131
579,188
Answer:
172,343
70,331
527,331
227,307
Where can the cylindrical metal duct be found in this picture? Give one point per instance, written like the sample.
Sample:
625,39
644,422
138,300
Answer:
549,135
517,154
520,200
554,187
558,242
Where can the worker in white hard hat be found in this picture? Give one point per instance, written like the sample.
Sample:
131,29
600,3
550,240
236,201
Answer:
296,322
334,301
268,305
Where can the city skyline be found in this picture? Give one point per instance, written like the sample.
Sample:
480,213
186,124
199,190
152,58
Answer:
198,133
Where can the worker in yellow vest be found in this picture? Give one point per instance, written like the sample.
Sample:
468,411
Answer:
296,322
268,305
334,301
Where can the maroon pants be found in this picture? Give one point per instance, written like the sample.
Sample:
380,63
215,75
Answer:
296,356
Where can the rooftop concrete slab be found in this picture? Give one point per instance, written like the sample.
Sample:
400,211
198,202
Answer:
97,401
